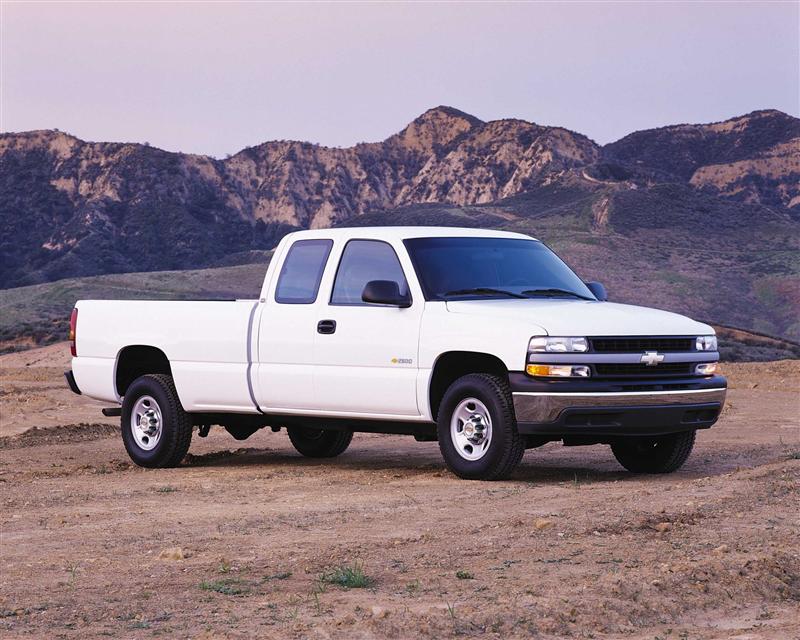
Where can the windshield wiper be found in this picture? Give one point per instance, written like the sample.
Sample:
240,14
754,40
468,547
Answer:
554,292
484,291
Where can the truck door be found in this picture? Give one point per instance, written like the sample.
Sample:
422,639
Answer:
366,354
288,328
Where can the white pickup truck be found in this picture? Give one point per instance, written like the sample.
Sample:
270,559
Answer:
483,340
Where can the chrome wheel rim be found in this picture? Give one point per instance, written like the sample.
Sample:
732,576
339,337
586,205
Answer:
471,429
146,423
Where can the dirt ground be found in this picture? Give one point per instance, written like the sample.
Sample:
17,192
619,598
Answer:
241,540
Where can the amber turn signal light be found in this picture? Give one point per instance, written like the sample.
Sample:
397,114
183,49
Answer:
558,370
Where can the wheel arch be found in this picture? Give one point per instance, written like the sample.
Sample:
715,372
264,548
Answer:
451,365
137,360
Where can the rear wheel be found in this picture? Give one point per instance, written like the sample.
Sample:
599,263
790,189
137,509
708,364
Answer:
319,443
477,429
156,430
662,454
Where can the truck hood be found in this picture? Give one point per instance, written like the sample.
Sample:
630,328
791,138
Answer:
584,317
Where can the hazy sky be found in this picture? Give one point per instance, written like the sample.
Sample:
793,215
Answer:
216,77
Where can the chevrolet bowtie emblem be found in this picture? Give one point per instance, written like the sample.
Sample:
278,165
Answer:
651,358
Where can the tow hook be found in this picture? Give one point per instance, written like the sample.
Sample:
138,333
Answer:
203,430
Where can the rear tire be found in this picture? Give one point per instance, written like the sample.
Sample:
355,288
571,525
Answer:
477,428
319,443
662,454
156,430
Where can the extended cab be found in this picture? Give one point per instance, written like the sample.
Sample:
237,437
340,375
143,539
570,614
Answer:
483,340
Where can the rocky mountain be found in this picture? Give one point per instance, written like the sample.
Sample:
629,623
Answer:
69,207
753,158
664,205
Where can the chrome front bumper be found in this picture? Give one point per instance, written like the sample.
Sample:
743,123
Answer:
545,407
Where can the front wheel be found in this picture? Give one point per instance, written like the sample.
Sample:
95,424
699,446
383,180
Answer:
477,428
661,454
156,430
319,443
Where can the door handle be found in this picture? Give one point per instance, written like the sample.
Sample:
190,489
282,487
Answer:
326,326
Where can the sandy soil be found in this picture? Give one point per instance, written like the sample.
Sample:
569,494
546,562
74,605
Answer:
34,393
236,542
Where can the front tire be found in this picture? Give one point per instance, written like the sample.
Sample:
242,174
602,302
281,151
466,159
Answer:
156,430
477,428
662,454
319,443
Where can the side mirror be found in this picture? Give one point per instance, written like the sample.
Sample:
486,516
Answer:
385,292
598,290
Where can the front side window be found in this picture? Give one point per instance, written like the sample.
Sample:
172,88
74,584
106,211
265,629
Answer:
362,261
472,268
302,271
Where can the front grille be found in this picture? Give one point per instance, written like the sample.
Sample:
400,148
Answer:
641,344
642,370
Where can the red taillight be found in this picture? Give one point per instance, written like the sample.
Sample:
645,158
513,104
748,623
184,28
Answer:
73,329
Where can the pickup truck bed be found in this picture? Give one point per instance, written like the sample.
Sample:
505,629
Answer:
206,341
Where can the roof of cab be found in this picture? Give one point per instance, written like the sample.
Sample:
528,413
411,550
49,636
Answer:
404,233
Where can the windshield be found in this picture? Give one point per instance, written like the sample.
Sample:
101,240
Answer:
480,268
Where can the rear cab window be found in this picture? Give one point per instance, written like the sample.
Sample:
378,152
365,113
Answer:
301,272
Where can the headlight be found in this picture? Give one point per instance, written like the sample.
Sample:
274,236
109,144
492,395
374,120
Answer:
706,343
550,344
558,370
706,369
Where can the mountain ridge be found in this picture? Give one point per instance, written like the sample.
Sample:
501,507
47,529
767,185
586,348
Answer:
455,112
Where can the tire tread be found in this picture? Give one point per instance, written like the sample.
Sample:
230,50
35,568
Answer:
671,461
177,446
513,443
333,443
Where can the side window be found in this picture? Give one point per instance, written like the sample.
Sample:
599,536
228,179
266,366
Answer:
302,271
362,261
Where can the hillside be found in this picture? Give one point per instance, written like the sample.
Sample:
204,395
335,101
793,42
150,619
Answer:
39,315
753,158
703,219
